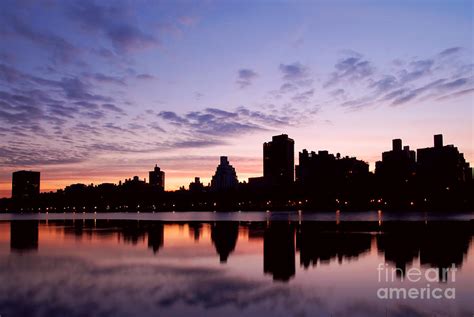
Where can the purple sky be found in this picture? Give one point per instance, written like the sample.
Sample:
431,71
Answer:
101,91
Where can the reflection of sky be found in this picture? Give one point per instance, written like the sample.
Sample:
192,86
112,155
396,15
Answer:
98,92
100,275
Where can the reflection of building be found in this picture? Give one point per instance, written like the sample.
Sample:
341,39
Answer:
195,229
25,184
438,244
279,250
442,167
225,177
323,242
131,232
224,236
157,178
279,161
23,235
400,244
155,237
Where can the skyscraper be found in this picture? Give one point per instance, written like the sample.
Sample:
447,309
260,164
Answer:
157,178
225,177
279,161
25,184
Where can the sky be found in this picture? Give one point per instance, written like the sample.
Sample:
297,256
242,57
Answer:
100,91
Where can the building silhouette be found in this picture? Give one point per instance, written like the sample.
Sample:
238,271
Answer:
396,172
225,177
25,185
442,167
397,164
436,178
134,183
279,161
196,186
323,169
157,178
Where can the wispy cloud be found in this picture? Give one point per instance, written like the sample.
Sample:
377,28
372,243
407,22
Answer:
350,69
62,50
223,123
294,71
113,21
421,79
245,77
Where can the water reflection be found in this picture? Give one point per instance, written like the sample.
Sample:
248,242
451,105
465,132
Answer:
323,242
126,268
435,244
23,235
224,237
155,237
279,250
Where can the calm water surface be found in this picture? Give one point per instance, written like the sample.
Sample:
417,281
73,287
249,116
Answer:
232,264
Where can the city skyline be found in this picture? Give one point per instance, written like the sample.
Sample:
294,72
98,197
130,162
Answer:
430,177
118,88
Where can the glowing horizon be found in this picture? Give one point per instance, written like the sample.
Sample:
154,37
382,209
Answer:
94,92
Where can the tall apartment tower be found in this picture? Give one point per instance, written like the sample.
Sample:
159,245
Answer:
279,161
157,178
25,185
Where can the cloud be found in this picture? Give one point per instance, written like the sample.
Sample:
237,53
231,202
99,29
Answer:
456,94
145,76
386,83
62,50
245,77
74,88
35,154
418,69
172,117
222,123
350,69
304,96
112,107
195,143
450,51
420,79
338,92
127,38
294,71
102,78
63,111
436,87
287,87
115,22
